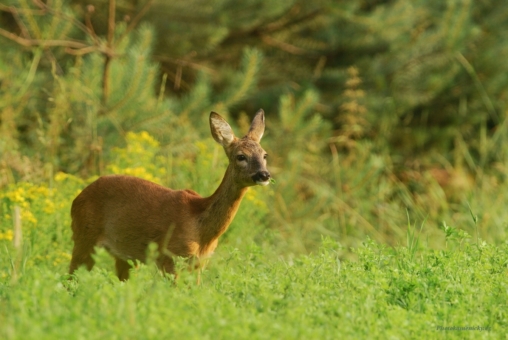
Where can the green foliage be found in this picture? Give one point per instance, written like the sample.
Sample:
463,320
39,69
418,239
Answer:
250,294
431,75
80,107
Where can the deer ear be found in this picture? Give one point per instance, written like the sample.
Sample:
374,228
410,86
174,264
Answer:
221,131
257,127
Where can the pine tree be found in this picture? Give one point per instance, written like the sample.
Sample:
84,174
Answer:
86,94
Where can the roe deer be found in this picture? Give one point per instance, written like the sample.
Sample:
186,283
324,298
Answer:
124,214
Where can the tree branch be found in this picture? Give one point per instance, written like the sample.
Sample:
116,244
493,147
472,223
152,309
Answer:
283,46
136,19
107,61
276,26
44,43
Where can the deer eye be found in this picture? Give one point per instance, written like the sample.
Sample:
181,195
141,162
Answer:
265,156
241,158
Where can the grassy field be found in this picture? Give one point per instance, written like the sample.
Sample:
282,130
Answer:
399,293
253,287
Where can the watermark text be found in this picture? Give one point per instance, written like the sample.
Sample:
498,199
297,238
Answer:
462,328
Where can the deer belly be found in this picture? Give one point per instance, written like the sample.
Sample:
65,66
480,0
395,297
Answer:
126,246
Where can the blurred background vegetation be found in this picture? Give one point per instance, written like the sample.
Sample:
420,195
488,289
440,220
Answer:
380,113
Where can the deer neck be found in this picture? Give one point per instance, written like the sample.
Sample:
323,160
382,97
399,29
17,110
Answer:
221,208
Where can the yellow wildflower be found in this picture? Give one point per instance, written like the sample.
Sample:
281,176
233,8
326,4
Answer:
49,207
8,235
16,196
27,216
60,176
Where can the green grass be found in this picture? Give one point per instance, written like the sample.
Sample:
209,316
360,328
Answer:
254,294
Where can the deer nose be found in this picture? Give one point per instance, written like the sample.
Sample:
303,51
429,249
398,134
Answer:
261,177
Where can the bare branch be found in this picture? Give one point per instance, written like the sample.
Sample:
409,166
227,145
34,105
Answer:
81,51
136,19
21,25
10,9
111,22
44,43
88,21
283,46
107,61
280,24
184,62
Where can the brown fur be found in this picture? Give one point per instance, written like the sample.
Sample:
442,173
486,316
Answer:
124,214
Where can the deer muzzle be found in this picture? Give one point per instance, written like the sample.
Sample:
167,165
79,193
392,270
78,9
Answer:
261,177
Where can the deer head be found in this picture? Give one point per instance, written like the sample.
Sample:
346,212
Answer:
247,159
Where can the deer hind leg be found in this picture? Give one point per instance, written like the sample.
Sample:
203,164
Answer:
82,255
84,243
122,269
